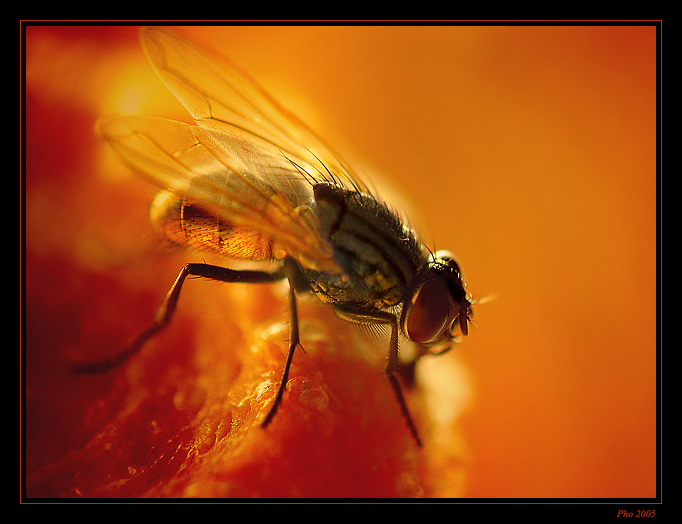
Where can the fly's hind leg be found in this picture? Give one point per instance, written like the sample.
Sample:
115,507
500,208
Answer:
165,312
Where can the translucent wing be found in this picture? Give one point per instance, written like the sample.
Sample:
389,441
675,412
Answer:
248,162
220,97
223,175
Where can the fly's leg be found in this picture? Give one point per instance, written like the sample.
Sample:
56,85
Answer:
392,366
165,312
392,361
294,340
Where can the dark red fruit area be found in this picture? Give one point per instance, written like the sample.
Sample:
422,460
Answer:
182,419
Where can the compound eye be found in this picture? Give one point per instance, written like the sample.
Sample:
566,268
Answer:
427,312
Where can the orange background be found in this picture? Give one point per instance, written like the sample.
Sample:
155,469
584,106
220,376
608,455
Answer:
530,152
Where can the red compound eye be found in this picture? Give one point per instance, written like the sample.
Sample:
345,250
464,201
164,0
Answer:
428,312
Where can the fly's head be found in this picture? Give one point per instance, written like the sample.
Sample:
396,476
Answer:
437,309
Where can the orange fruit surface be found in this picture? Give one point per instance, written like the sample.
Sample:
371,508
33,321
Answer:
528,151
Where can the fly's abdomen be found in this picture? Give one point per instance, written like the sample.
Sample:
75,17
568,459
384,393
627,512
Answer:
189,225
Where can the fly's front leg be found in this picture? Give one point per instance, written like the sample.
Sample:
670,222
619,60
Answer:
165,312
392,361
392,364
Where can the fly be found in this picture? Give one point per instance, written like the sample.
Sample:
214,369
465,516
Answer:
250,181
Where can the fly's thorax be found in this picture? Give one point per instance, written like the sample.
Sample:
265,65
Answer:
378,254
187,224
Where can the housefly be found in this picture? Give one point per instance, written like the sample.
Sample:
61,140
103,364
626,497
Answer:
250,181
